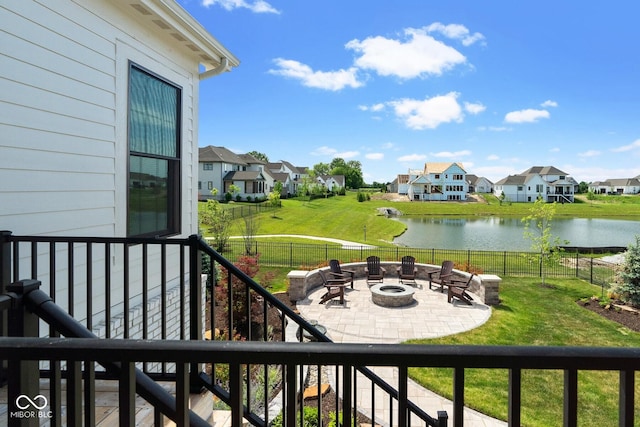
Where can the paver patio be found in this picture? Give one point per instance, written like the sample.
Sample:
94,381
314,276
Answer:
361,321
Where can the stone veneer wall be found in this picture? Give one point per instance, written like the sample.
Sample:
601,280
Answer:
485,286
154,319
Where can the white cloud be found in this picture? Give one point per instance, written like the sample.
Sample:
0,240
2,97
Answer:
526,116
374,107
258,6
374,156
452,154
430,112
589,153
388,145
455,31
476,108
493,157
324,151
549,103
494,128
555,149
635,144
347,154
412,158
328,80
417,55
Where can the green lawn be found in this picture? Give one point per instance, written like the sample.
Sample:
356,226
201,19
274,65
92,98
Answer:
344,217
542,316
528,314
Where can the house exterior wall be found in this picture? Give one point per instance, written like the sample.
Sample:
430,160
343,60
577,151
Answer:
63,120
209,179
483,185
64,109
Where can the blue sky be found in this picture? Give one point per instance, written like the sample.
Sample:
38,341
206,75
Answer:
498,85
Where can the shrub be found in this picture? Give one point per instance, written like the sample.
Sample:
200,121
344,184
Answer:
469,268
249,265
310,418
630,288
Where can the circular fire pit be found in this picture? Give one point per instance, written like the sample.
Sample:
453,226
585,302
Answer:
392,295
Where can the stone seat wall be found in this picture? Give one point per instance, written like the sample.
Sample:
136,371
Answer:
301,282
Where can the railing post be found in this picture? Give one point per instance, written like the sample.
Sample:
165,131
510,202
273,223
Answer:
5,261
5,279
195,304
515,396
443,419
23,375
627,399
458,397
570,398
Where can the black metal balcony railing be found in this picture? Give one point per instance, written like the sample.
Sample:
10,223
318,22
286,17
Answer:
80,273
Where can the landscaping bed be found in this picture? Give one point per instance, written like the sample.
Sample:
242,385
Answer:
624,315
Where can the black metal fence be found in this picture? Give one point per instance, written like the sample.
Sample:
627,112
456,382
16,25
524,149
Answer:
502,263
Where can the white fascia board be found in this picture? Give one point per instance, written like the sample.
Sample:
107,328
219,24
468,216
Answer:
169,16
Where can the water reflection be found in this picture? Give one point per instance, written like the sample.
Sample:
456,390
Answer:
499,233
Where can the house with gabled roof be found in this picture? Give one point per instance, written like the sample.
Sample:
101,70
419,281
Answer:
616,186
479,184
331,182
296,174
220,168
547,182
438,181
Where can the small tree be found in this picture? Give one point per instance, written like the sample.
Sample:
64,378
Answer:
274,197
537,228
501,198
251,226
630,288
232,191
218,221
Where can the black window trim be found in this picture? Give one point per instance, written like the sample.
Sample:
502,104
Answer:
174,174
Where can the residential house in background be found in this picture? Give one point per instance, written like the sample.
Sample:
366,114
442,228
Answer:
84,86
400,185
220,168
436,182
548,182
295,174
331,182
616,186
479,184
214,163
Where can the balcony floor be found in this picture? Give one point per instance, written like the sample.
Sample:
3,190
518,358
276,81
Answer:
362,321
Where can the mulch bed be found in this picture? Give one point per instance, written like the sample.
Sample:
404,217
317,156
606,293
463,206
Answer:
618,313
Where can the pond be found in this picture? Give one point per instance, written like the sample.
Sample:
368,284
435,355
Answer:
506,234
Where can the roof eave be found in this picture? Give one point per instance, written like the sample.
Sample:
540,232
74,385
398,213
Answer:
169,16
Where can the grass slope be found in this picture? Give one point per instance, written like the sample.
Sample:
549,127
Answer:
345,218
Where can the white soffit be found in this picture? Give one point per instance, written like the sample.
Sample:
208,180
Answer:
168,16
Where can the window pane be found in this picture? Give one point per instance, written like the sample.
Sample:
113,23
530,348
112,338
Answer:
153,115
148,195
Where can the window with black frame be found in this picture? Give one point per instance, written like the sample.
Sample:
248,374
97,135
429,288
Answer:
154,155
